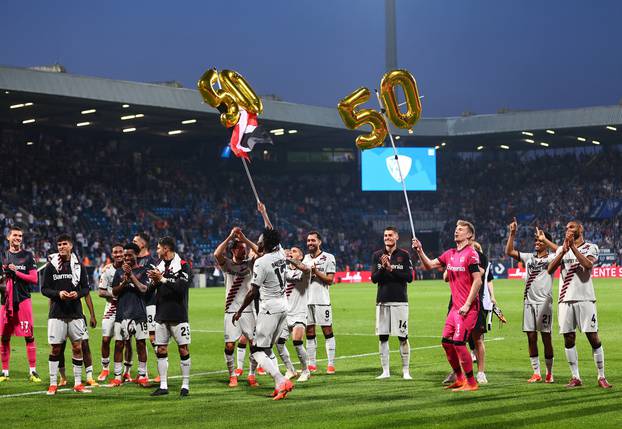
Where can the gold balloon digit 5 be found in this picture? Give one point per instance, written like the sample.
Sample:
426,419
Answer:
356,118
407,82
219,99
235,84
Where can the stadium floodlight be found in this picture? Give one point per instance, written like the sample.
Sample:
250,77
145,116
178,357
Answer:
28,121
581,139
277,130
140,115
480,147
527,133
125,106
503,146
89,111
82,124
126,117
444,144
29,143
129,130
7,92
530,141
189,121
17,106
174,132
295,131
550,132
397,137
595,142
437,147
609,127
544,144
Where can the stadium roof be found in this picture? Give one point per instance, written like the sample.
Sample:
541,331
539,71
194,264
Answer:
61,100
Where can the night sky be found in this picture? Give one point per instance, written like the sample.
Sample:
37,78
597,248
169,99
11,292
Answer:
467,55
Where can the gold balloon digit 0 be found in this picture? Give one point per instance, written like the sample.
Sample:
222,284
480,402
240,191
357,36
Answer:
407,82
219,99
356,118
235,84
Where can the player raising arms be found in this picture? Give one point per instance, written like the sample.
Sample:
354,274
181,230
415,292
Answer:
269,281
392,271
110,311
64,283
462,264
16,310
237,271
320,311
538,298
297,278
129,285
577,300
171,278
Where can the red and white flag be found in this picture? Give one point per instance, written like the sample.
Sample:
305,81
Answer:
246,134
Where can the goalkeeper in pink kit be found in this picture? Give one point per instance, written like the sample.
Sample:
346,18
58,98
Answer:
462,265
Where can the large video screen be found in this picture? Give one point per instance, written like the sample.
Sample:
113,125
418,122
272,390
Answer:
379,170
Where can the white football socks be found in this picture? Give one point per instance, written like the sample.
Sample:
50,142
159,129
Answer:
573,361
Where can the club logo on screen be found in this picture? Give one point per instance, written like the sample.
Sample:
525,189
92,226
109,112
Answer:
404,162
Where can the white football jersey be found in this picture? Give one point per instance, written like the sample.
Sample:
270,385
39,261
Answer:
318,290
296,290
105,283
269,275
575,282
539,284
237,283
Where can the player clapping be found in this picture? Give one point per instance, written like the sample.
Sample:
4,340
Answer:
577,300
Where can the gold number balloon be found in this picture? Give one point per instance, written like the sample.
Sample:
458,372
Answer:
235,84
354,119
357,118
219,99
407,82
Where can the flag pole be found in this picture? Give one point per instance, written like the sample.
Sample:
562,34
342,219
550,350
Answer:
248,173
250,179
399,169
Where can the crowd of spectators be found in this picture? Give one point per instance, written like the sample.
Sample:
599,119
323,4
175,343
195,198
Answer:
102,193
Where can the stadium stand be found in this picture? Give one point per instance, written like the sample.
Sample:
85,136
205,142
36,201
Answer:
101,193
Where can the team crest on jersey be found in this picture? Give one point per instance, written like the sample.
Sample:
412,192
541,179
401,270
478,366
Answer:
461,259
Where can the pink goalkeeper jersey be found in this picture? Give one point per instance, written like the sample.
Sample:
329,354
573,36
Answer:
457,263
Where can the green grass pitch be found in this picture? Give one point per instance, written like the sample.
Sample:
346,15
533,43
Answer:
352,397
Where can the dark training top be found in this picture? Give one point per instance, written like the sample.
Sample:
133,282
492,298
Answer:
392,285
172,294
24,262
56,281
130,302
146,262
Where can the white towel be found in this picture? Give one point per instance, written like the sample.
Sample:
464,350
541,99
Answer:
486,301
174,267
74,264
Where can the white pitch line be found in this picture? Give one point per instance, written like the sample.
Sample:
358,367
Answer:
200,374
345,334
